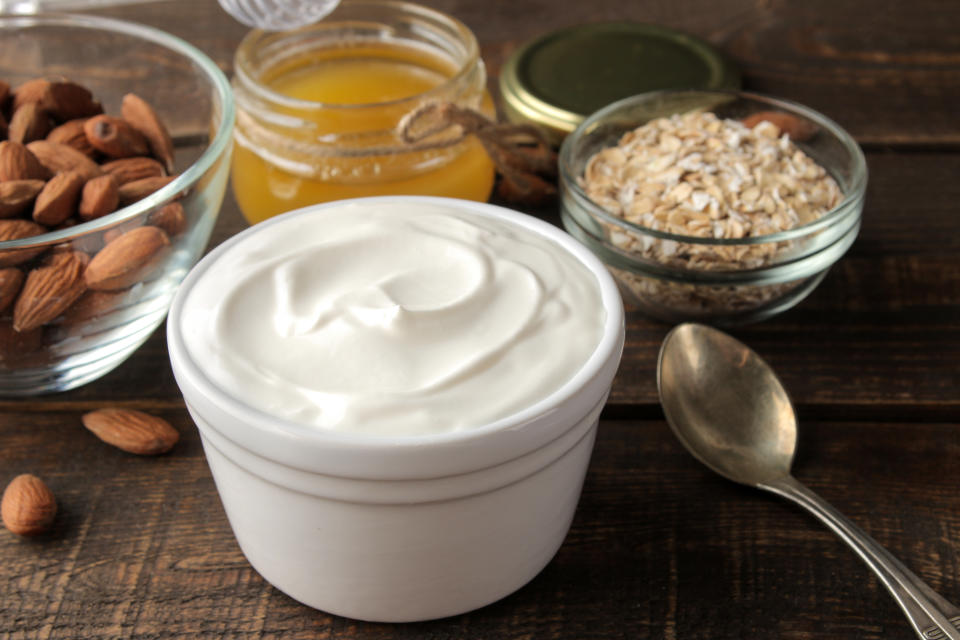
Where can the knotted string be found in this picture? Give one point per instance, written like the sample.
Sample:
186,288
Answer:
526,162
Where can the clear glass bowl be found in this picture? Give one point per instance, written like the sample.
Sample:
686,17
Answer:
193,98
718,290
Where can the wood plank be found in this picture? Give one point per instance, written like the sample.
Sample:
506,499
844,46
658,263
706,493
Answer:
885,73
883,329
659,547
881,333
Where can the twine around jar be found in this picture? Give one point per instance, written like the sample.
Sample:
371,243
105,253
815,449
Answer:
526,162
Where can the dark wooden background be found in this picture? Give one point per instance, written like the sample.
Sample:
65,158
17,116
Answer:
660,548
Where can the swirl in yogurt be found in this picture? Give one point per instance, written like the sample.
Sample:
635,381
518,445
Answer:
393,319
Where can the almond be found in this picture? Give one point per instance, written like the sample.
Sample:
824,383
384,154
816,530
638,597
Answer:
11,279
72,221
171,218
93,304
17,230
4,96
17,162
49,290
100,196
798,129
71,134
20,348
144,119
62,99
28,506
129,169
69,101
115,137
57,157
131,430
58,199
113,233
69,248
16,196
128,259
36,90
28,123
140,189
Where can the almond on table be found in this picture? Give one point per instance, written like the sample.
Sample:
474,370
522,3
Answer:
131,430
28,507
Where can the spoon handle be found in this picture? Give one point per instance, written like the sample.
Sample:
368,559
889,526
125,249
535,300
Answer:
931,616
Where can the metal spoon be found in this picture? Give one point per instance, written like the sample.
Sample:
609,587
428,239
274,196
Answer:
730,411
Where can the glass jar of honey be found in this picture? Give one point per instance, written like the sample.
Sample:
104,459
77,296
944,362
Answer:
319,109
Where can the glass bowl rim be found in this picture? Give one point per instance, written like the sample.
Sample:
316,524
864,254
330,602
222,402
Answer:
852,198
184,180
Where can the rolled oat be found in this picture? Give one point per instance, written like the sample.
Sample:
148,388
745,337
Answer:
701,176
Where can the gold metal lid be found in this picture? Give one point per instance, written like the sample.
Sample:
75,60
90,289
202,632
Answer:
558,79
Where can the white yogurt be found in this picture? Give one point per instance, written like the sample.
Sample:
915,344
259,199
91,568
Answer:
393,319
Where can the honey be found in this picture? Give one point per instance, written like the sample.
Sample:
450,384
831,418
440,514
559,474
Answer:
317,116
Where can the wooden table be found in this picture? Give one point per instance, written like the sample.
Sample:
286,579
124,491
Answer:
660,548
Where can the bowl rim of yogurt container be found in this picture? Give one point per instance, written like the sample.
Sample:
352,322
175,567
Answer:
416,456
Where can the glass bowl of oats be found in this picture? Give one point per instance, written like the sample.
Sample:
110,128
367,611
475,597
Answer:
723,207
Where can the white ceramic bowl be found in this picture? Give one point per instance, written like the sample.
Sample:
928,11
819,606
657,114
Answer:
403,528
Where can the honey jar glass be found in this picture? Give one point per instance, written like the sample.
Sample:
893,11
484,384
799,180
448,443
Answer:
320,109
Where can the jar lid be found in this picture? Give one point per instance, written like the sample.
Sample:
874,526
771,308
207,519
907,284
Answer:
558,79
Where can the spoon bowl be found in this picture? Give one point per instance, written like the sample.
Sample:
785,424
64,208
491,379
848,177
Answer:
727,407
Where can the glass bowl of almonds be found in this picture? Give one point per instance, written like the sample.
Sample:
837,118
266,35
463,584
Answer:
716,206
114,153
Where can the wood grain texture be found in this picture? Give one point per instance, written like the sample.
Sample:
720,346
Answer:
890,74
888,313
660,548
